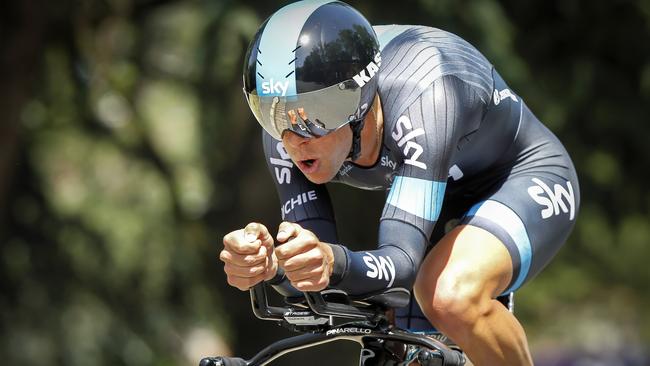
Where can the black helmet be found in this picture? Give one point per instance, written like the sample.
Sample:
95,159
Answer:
311,69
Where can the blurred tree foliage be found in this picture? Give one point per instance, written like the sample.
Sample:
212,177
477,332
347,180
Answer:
127,152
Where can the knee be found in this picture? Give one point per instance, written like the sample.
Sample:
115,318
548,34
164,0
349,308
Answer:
453,300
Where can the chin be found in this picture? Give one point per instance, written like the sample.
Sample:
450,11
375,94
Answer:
320,177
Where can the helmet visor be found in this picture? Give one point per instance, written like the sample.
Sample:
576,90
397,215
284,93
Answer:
311,114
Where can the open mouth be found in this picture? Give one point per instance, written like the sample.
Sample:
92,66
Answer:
308,165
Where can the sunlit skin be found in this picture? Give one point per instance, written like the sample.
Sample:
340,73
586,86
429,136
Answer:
326,153
330,151
456,284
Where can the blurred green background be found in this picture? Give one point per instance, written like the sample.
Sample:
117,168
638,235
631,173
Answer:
127,152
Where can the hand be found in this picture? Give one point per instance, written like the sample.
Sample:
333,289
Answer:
248,256
307,262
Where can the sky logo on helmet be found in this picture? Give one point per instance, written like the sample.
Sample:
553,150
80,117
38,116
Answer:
371,70
275,88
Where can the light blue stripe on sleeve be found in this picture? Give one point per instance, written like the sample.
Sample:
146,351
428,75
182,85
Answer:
279,40
505,217
420,197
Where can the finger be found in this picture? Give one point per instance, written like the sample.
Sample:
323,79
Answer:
243,259
244,283
245,272
271,268
310,257
287,230
228,256
313,284
272,264
310,272
294,247
267,239
235,242
256,230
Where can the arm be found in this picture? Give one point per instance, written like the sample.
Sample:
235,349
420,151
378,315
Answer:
427,132
393,264
301,202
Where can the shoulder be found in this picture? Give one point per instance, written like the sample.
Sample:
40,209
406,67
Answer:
414,57
414,42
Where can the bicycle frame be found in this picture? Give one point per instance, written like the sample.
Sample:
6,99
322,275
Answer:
360,333
369,328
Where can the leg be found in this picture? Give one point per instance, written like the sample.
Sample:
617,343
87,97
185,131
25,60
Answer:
456,288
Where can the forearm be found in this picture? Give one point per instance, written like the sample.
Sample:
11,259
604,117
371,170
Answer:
394,264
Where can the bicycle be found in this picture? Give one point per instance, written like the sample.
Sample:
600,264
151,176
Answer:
333,315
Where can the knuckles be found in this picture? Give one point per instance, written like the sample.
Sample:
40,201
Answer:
228,238
227,256
298,244
253,226
242,283
251,260
233,238
224,255
255,265
288,226
307,285
310,273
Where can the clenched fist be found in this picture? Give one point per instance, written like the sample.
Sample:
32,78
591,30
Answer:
307,262
248,256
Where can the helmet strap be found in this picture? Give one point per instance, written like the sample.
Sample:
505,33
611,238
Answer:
355,149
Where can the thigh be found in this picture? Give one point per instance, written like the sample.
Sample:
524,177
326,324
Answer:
532,214
468,262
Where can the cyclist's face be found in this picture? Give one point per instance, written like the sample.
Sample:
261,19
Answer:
319,158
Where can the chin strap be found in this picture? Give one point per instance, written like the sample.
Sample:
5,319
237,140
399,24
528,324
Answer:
355,149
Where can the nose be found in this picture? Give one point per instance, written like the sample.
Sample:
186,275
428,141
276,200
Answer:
293,139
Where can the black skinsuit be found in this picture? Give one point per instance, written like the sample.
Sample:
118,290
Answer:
459,146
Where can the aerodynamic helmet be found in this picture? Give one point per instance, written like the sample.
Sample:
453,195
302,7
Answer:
311,69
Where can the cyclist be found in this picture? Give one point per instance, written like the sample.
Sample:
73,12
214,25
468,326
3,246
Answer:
480,195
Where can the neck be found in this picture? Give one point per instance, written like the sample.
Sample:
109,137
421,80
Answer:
371,135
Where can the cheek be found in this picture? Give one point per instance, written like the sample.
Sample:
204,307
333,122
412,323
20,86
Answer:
333,149
335,156
340,154
289,148
343,144
289,151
